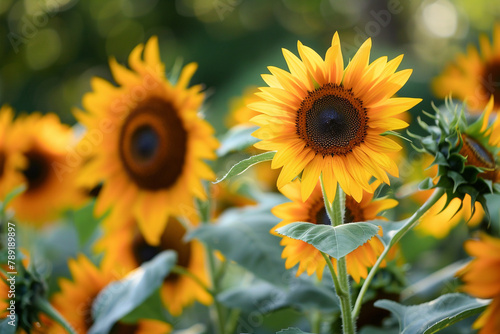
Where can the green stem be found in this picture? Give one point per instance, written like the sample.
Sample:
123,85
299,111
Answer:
215,288
232,321
408,225
316,322
344,297
217,312
183,271
335,211
44,306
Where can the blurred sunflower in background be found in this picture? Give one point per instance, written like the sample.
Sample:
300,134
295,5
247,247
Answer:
481,278
126,249
473,76
10,160
321,118
313,211
76,297
43,143
153,142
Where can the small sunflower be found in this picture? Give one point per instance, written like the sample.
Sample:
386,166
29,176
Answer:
126,249
74,301
10,160
153,142
467,155
321,118
313,211
481,279
474,77
43,143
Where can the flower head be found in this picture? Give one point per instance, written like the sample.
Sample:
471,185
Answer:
313,211
467,155
474,77
126,249
481,279
153,142
77,295
40,145
324,119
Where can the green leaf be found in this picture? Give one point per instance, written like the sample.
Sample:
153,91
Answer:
120,297
435,315
151,308
335,241
85,222
237,138
242,235
396,134
6,328
302,294
10,196
426,184
291,330
243,165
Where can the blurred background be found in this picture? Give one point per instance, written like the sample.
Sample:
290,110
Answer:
53,47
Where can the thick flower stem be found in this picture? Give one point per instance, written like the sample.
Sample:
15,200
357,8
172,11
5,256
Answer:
335,211
408,225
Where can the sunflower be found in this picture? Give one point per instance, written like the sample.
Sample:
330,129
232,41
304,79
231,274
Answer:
10,160
74,301
321,118
126,249
313,211
481,279
50,177
467,155
474,77
147,142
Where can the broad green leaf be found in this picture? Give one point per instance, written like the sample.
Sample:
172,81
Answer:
303,294
242,235
335,241
237,138
151,308
6,325
435,315
85,222
292,330
243,165
10,196
120,297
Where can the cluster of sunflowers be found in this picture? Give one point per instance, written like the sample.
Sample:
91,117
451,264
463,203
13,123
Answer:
165,234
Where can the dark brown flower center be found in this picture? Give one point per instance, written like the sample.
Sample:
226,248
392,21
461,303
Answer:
171,239
477,155
153,144
37,170
331,120
123,328
353,212
491,80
